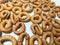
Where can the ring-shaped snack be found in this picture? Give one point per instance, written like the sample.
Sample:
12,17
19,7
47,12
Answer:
56,32
52,4
5,14
20,26
45,17
52,13
37,11
16,10
57,41
6,26
56,8
30,9
8,6
45,7
36,5
47,26
8,38
56,23
24,16
17,3
36,29
45,35
14,18
36,19
33,38
23,35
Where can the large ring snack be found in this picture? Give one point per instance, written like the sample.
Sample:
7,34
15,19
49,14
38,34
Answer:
8,38
24,16
36,19
21,37
33,38
8,6
5,14
19,25
27,10
6,26
45,35
36,29
14,19
45,24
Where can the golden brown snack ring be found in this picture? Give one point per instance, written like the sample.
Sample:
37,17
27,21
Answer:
57,41
1,7
52,4
52,13
25,1
5,28
8,38
17,3
19,25
45,16
37,11
23,35
45,7
56,32
16,10
36,29
14,18
56,23
36,19
24,19
5,14
27,10
36,5
56,8
45,24
8,6
45,35
33,38
58,14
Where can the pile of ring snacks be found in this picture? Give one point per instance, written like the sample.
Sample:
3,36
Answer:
44,21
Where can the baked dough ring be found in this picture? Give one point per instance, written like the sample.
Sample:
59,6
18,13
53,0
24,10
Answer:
23,35
44,26
36,19
19,25
24,19
56,32
8,38
52,13
48,34
17,3
36,29
5,14
8,28
37,11
8,6
33,38
45,7
56,23
14,19
27,10
16,10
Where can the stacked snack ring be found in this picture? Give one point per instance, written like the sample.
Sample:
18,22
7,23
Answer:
15,14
